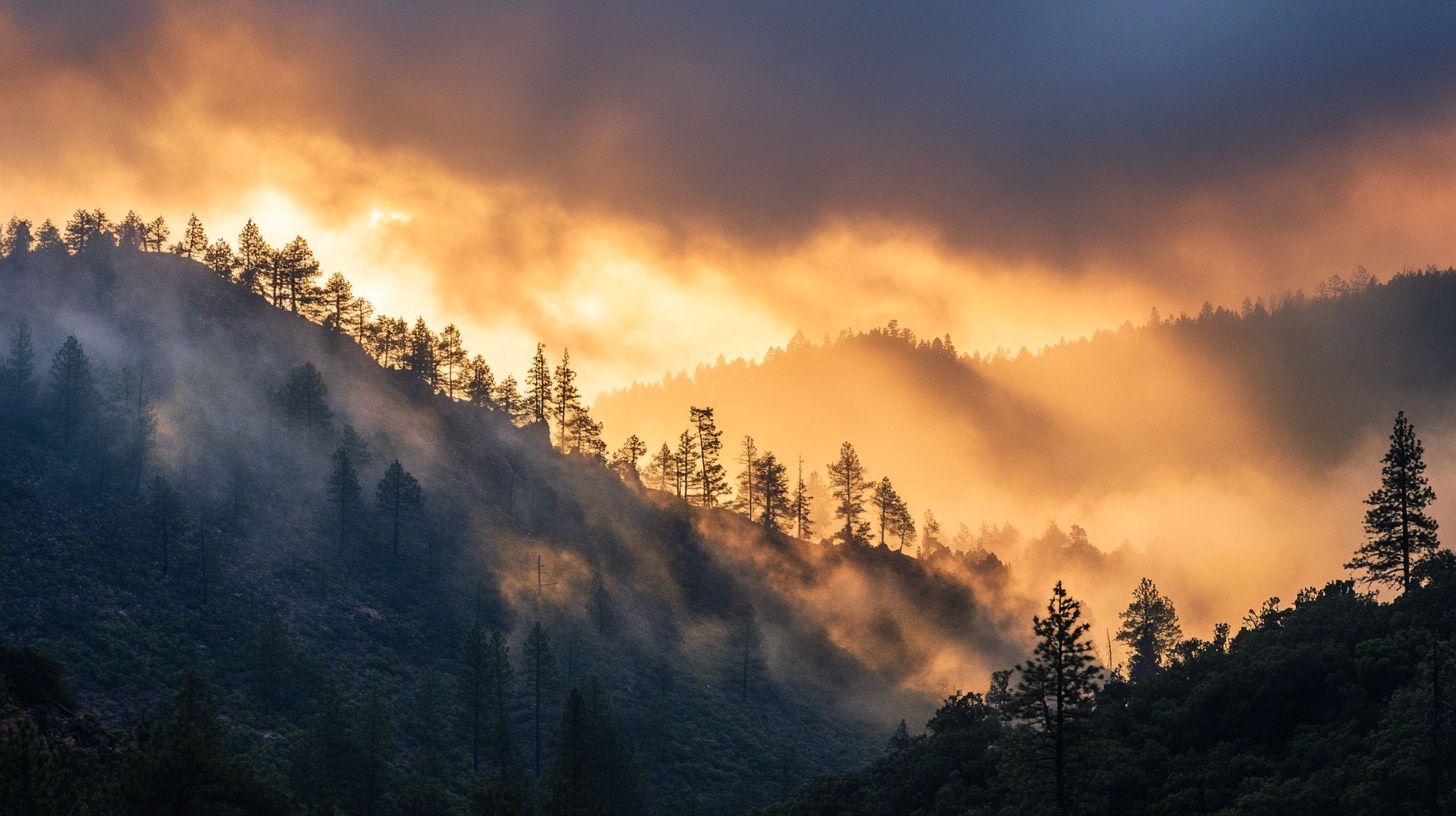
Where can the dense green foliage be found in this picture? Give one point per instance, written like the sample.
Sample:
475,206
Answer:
1338,704
196,482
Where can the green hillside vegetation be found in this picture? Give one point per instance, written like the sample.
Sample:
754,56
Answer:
289,575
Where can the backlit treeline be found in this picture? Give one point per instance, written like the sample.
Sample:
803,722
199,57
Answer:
288,277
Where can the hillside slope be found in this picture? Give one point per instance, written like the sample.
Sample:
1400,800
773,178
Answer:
737,662
1186,444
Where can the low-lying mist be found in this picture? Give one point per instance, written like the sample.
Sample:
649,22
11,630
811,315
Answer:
1224,456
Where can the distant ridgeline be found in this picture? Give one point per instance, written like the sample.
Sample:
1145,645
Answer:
260,554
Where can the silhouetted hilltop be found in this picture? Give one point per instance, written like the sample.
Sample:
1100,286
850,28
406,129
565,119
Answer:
192,523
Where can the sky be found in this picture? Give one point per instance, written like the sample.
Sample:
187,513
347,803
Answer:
656,184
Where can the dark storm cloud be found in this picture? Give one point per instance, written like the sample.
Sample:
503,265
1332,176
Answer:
1018,128
1054,133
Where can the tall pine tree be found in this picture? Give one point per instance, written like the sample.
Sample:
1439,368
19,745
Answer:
1399,533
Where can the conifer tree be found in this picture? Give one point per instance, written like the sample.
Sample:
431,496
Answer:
87,229
803,507
848,485
538,386
345,494
888,507
131,233
593,771
254,258
565,401
338,294
48,240
509,400
712,480
773,492
157,234
540,677
585,435
480,384
1399,532
500,684
220,259
400,502
626,458
748,458
450,360
74,389
662,469
1150,629
686,465
1055,692
931,542
17,377
420,359
902,524
194,239
17,239
302,401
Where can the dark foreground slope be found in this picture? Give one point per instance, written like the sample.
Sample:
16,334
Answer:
736,663
1338,704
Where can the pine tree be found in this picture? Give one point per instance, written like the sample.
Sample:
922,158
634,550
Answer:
500,684
131,233
157,234
902,524
662,469
220,259
803,507
48,240
450,360
88,229
931,543
686,465
194,239
593,772
1056,689
74,389
1150,629
712,481
887,507
1399,532
540,673
420,358
17,239
32,780
848,485
302,401
400,502
748,458
773,492
344,492
510,402
538,386
626,458
338,293
480,384
584,435
565,401
254,258
17,376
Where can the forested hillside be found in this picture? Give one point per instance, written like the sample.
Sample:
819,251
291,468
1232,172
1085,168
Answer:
253,561
1174,447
